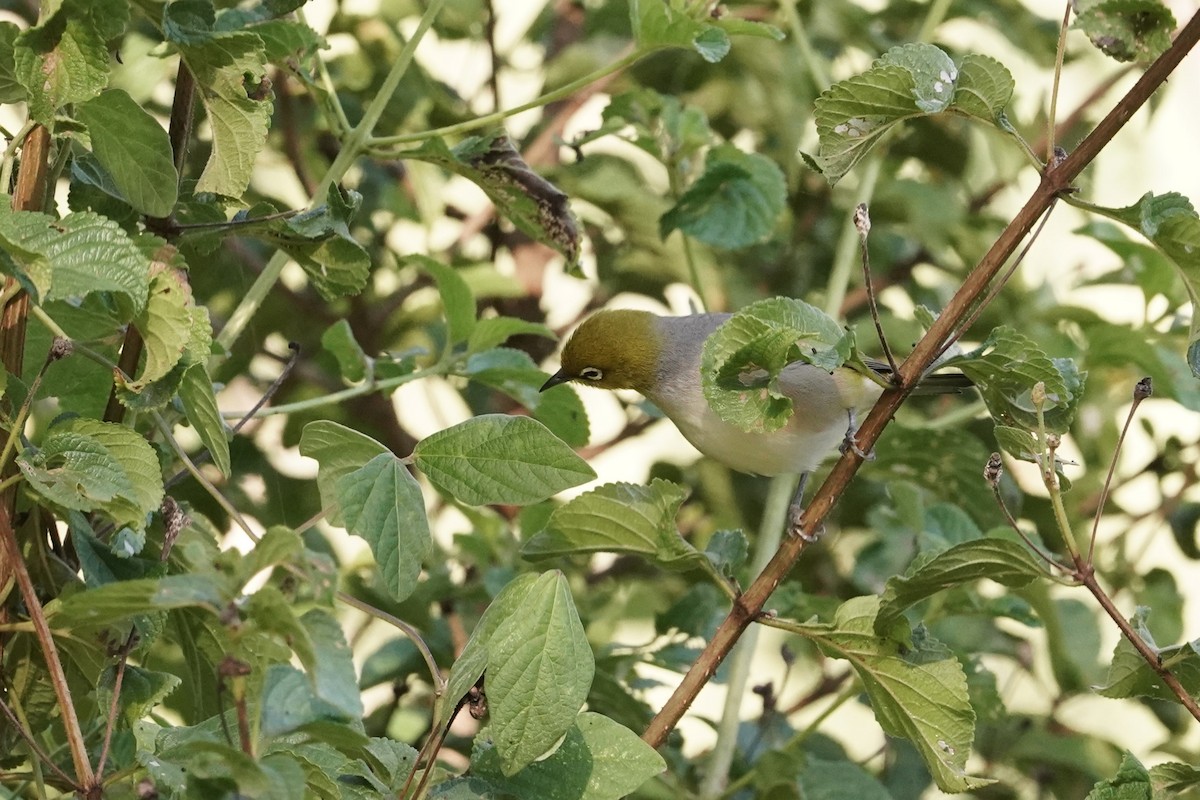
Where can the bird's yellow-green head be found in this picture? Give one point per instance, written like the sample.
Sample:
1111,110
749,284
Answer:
616,349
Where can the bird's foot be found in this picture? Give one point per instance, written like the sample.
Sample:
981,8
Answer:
849,444
795,526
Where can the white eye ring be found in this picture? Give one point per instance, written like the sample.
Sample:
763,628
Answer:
591,373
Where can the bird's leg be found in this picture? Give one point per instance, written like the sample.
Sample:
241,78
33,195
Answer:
795,526
849,443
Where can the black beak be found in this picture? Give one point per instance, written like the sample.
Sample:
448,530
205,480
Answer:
555,380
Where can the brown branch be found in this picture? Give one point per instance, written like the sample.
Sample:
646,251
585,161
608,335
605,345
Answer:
1054,181
11,551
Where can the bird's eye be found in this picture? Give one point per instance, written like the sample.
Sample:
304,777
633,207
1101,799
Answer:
591,373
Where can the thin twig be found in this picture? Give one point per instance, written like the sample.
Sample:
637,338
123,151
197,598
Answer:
114,706
1059,56
34,747
862,223
1141,391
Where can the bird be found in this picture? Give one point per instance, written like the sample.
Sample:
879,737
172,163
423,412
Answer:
660,357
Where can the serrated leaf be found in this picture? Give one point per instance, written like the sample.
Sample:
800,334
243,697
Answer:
88,465
165,324
338,451
72,257
1000,560
1173,779
1131,781
229,70
734,204
200,405
141,690
118,601
618,518
339,340
457,299
134,149
910,81
289,701
1130,676
660,24
539,670
926,703
1127,30
985,87
322,244
1006,368
533,204
1171,224
382,503
499,459
743,359
64,59
598,760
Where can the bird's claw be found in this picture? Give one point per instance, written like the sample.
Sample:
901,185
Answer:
849,445
795,525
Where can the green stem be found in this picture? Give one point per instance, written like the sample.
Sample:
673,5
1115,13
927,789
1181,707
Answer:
934,17
352,147
846,255
770,531
345,394
499,116
816,66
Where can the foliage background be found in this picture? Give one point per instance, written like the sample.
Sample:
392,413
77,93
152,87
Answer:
943,188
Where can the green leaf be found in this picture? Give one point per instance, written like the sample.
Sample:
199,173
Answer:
691,27
382,503
289,701
1006,368
494,331
165,324
69,258
11,90
598,760
64,59
537,207
229,70
839,780
1127,30
1131,781
134,149
1172,779
332,671
141,690
339,340
514,373
618,518
1130,676
457,298
925,702
200,405
89,465
539,670
985,87
1171,224
338,451
1000,560
118,601
322,244
499,459
734,204
473,660
910,81
743,358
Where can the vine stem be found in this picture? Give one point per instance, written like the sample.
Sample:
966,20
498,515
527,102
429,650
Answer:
354,146
1055,180
770,529
499,116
